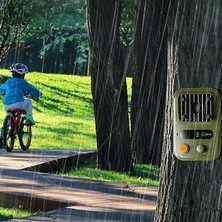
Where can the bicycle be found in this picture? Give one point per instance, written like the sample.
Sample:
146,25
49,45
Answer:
15,124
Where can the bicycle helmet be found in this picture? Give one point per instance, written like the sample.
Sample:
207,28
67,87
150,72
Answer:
19,68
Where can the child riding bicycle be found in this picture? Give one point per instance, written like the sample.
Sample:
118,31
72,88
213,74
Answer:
15,88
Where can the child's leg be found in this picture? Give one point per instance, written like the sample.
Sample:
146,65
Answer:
27,105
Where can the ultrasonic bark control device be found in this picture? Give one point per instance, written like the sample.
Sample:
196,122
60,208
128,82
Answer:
197,124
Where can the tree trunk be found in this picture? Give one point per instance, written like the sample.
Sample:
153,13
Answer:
149,81
191,191
108,85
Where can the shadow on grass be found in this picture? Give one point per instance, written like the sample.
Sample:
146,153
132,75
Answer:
67,129
4,218
146,171
60,102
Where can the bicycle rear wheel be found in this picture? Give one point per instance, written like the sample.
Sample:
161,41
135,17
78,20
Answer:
8,134
25,133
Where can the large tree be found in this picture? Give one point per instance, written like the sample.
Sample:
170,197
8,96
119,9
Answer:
149,81
191,191
108,85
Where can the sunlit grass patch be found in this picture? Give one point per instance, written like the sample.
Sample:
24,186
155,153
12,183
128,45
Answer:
141,174
64,115
63,132
12,213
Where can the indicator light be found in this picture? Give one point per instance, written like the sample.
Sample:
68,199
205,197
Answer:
197,134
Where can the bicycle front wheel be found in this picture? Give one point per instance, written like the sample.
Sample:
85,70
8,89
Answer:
8,134
25,133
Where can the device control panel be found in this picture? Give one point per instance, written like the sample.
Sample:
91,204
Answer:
197,124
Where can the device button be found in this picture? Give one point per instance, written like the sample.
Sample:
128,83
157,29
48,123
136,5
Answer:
184,148
200,148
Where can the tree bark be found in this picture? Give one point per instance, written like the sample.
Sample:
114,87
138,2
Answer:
108,85
149,82
191,191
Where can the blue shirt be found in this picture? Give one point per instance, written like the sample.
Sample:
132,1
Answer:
14,90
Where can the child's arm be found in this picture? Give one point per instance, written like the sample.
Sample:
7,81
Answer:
33,91
2,89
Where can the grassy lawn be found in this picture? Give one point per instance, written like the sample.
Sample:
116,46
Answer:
7,214
142,174
64,115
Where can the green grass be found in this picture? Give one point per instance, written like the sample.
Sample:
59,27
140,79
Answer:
12,213
141,174
64,115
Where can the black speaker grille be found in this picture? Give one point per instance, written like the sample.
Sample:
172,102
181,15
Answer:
195,107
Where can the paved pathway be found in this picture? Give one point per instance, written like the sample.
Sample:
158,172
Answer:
68,199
